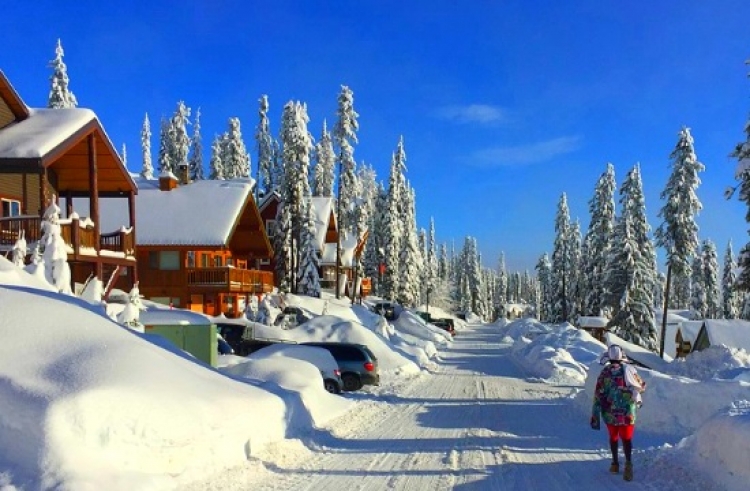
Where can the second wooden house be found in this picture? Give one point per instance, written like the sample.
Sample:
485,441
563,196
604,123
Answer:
197,243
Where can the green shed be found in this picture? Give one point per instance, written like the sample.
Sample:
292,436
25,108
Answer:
190,331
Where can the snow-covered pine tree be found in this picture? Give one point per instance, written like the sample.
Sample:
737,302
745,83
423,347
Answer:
561,286
629,278
546,291
430,265
367,190
502,282
373,255
711,280
234,156
598,240
325,161
283,247
742,174
216,166
57,270
698,305
147,171
393,225
264,147
179,145
165,148
443,263
729,298
344,134
678,233
60,95
409,255
295,192
661,280
309,279
575,265
195,165
277,167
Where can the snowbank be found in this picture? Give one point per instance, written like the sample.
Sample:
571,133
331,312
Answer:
89,404
558,354
411,324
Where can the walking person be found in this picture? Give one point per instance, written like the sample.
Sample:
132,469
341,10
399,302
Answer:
617,399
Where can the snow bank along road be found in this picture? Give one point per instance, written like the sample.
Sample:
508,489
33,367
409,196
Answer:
477,423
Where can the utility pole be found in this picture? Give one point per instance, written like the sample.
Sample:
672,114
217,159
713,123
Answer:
666,307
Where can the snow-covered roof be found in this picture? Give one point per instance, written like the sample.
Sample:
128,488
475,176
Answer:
322,208
201,213
590,321
733,333
348,246
42,132
689,330
171,317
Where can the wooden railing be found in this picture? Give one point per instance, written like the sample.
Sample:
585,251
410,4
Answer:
231,279
77,233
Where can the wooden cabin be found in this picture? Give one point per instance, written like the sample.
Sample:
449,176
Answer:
65,154
685,336
197,243
596,326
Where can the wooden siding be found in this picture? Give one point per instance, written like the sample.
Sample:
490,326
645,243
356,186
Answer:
6,115
11,186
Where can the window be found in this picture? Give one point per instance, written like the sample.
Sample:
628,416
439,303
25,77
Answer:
217,261
11,208
205,261
191,259
164,260
270,227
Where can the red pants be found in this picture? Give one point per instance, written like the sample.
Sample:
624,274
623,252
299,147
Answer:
623,432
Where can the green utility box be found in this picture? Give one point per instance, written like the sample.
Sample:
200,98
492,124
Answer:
197,339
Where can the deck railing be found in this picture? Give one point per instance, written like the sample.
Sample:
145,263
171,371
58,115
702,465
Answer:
78,234
231,279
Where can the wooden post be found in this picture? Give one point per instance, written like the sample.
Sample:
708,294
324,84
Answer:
94,200
666,308
25,199
42,191
68,204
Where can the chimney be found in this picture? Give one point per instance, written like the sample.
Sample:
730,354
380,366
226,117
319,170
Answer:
184,174
167,181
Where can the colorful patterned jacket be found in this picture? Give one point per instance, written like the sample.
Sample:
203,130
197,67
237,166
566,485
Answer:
613,398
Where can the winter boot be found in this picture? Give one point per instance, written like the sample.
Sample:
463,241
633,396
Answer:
614,468
628,474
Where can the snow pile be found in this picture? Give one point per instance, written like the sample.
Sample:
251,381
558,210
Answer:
410,324
92,405
298,370
333,329
718,362
721,447
558,355
11,274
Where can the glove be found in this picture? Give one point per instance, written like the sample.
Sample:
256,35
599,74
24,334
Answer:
595,425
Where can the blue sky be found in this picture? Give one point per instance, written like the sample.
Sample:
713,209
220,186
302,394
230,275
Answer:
503,105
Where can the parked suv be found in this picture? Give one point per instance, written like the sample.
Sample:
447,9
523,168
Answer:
445,324
240,338
357,363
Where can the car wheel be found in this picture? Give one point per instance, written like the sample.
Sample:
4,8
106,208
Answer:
351,382
331,386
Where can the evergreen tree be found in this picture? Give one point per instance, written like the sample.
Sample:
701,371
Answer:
575,278
325,160
60,95
309,279
264,147
165,150
698,305
711,280
234,156
147,171
742,174
561,263
392,224
409,255
678,233
283,247
374,251
502,284
367,190
179,145
344,134
598,241
195,165
729,299
629,280
547,294
216,166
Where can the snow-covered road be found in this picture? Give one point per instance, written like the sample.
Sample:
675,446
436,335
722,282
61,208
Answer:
477,423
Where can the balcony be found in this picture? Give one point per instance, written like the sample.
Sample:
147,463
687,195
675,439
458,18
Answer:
229,279
78,234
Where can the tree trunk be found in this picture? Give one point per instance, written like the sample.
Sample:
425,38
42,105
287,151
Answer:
666,308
